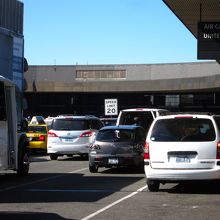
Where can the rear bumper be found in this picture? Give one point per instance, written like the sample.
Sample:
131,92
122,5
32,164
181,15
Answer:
177,175
68,149
37,145
105,161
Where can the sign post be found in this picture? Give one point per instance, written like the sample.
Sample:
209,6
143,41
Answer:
111,107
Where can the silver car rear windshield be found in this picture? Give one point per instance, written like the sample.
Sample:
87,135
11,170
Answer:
183,130
115,136
70,124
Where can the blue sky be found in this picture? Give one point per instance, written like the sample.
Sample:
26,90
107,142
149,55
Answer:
69,32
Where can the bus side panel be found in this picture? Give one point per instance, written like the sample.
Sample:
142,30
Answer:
3,129
3,145
12,126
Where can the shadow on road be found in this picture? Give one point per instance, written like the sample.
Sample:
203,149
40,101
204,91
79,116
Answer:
198,187
68,187
30,215
123,170
40,157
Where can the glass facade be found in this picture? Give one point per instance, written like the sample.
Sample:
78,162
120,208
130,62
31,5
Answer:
93,103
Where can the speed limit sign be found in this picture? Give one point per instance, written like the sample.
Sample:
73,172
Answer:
111,107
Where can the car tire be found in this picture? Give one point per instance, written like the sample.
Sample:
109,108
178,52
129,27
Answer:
153,185
23,160
93,168
53,156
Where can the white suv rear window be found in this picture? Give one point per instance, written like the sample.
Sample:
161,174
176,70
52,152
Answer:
183,129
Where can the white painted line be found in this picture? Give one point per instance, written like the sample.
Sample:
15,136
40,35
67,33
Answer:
74,190
45,179
114,203
76,171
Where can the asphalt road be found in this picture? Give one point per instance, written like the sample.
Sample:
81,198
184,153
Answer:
65,189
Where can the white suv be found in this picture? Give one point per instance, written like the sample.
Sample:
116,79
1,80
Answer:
182,147
70,135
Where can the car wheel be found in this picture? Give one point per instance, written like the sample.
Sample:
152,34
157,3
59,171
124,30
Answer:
93,168
23,160
153,185
53,156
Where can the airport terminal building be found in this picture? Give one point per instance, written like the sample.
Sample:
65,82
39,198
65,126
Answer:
82,89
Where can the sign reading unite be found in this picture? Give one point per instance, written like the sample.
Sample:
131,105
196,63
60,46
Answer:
209,40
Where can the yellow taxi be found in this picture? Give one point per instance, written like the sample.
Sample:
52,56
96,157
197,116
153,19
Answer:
37,136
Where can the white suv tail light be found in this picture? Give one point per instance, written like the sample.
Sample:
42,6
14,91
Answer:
218,151
146,151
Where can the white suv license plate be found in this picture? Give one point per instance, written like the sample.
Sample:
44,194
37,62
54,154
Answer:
113,161
179,159
182,160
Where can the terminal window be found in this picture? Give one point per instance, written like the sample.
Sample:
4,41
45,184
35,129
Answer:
100,74
172,100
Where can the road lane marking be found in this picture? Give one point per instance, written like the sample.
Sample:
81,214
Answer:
74,190
44,179
114,203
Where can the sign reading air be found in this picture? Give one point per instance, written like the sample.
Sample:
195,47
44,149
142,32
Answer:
111,107
208,40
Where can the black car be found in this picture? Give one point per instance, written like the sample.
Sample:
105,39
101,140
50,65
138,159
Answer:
117,146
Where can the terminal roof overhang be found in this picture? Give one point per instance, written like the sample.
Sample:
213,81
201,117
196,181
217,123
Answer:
190,12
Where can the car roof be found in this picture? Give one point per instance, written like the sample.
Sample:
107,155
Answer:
108,119
143,109
76,117
185,115
120,127
49,118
